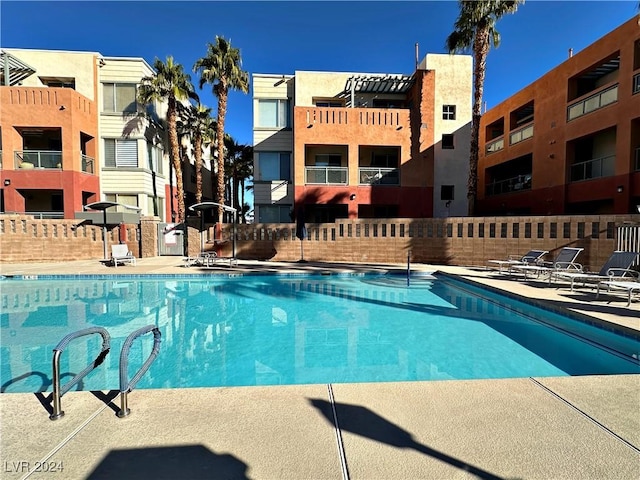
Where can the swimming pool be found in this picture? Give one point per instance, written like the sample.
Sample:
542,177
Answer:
294,329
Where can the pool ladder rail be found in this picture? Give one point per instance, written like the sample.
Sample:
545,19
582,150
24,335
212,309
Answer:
126,385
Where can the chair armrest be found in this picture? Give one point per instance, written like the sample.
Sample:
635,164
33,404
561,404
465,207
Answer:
622,272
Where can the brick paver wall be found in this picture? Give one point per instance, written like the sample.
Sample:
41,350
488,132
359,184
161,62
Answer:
452,241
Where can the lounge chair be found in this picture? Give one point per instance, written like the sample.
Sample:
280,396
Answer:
630,286
565,261
529,258
203,259
120,253
616,267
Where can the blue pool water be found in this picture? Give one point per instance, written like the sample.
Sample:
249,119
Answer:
267,330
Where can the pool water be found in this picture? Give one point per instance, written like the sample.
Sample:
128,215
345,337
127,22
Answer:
271,330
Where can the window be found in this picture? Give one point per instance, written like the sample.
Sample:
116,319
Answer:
447,140
120,153
273,113
59,82
329,103
328,160
446,192
388,103
154,156
384,160
274,214
123,199
274,166
119,97
448,112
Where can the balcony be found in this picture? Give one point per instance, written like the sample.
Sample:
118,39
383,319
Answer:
29,159
87,163
520,134
495,145
379,176
594,168
592,103
636,83
513,184
326,175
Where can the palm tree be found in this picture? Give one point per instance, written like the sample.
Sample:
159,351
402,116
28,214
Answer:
172,85
201,122
222,68
475,28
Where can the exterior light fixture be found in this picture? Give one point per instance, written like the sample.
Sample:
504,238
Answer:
620,188
7,182
352,196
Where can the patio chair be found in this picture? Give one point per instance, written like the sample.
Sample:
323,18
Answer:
630,286
565,261
529,258
617,266
120,253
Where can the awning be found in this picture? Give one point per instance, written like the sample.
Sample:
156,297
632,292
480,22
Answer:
14,69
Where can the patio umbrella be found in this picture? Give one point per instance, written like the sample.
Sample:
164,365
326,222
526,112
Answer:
103,206
208,206
301,231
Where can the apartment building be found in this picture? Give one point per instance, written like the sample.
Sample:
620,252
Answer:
363,145
71,134
569,143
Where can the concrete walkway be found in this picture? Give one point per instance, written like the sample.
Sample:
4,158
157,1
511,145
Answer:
530,428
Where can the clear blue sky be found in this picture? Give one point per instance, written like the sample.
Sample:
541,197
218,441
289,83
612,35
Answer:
281,37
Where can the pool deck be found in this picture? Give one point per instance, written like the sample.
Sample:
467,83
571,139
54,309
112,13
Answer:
529,428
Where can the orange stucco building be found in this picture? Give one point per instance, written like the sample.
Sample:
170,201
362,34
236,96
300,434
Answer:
569,143
49,142
360,145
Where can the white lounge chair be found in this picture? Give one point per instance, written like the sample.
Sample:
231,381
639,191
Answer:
530,258
617,267
565,261
630,287
120,253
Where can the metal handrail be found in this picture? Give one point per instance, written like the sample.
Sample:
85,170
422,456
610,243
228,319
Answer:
127,385
58,391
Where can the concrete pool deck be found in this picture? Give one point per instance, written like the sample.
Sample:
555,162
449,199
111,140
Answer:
529,428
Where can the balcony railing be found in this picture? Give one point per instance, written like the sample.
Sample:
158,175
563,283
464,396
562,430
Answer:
379,176
594,168
46,215
38,159
594,102
87,163
521,134
326,175
513,184
495,145
636,83
637,160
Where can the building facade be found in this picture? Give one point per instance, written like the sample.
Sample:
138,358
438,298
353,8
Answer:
72,133
358,145
569,143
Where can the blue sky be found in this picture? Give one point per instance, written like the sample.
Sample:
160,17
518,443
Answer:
281,37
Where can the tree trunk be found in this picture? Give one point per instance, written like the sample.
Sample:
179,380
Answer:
197,145
480,51
222,112
175,156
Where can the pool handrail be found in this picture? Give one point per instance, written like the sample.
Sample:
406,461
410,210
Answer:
58,391
127,385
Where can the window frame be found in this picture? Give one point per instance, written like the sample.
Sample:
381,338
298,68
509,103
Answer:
114,109
448,112
278,123
447,146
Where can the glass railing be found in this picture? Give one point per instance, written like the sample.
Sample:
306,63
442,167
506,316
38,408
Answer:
594,168
513,184
46,215
495,145
87,163
594,102
379,176
38,159
326,175
636,83
521,134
